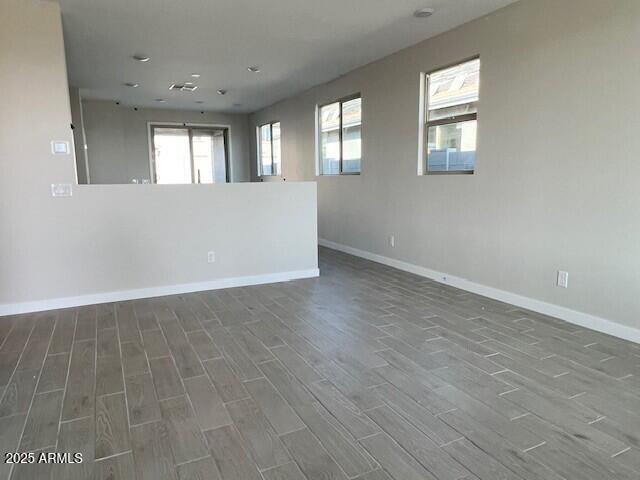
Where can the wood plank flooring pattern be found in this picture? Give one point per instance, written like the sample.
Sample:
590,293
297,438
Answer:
365,373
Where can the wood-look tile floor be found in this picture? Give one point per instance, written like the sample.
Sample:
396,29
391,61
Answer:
366,372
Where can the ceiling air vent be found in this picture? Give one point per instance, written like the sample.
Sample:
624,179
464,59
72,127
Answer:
184,87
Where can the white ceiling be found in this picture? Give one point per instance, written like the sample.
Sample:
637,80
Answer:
297,44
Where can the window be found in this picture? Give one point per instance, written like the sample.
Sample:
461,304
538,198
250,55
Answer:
452,96
340,137
269,154
183,154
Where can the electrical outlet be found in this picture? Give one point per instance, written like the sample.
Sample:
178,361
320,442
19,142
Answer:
211,257
563,279
61,190
392,241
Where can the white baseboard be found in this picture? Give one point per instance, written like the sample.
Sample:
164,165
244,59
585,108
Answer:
117,296
572,316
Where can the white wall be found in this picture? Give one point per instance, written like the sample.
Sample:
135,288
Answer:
109,238
556,184
118,139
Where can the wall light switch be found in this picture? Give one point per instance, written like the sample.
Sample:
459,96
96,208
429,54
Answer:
59,147
61,190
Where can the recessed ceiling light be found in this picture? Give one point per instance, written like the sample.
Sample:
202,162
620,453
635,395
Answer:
141,58
195,75
254,69
160,100
423,12
132,84
222,92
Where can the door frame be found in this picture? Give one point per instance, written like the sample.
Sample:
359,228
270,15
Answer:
227,137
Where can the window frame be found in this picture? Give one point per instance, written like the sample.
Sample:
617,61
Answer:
425,123
226,129
259,148
319,107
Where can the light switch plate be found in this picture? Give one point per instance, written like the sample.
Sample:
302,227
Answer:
59,147
61,190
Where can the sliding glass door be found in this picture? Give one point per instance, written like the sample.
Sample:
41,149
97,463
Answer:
185,154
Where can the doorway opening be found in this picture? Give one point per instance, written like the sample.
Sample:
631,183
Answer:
185,154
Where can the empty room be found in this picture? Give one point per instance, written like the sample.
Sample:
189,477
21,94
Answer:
319,240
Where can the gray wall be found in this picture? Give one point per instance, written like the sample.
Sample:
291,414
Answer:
118,140
556,185
110,238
